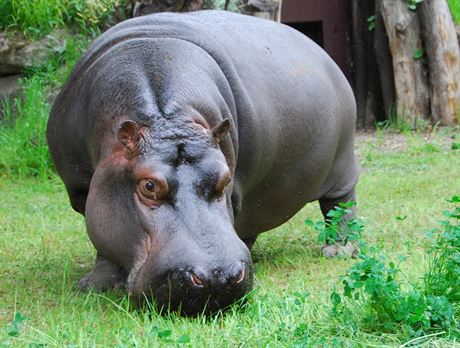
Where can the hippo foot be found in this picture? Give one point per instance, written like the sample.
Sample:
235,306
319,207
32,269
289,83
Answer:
105,276
101,282
338,250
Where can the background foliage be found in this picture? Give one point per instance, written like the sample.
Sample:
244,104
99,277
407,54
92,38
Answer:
36,18
454,6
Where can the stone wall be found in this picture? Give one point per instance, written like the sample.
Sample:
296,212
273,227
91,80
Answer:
16,54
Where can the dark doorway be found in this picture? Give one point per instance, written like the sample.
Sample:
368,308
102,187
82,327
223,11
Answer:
314,30
324,21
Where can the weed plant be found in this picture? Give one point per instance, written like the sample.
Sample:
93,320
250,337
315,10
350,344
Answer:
373,297
373,293
443,276
330,230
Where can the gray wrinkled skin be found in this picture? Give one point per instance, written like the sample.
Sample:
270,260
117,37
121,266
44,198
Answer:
148,101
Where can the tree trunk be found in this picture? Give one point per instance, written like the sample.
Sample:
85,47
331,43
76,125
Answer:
411,83
359,60
384,63
366,78
443,56
374,101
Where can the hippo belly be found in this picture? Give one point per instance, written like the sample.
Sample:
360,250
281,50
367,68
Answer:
180,137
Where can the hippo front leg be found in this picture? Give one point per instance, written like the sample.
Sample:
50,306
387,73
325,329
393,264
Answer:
105,276
340,249
250,242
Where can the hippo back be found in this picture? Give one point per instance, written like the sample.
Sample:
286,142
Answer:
292,112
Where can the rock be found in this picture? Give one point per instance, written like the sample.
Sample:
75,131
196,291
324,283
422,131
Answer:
17,53
9,89
145,7
9,85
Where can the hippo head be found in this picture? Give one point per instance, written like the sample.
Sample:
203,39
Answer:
159,206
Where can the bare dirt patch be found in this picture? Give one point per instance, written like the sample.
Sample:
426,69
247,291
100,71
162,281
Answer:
395,142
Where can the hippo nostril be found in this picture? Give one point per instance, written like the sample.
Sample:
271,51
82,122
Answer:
241,277
238,274
237,279
196,281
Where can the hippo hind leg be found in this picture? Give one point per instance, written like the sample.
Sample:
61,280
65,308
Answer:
105,276
340,249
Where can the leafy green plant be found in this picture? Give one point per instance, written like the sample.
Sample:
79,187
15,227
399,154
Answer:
418,53
443,275
14,329
337,228
166,336
412,4
371,23
373,286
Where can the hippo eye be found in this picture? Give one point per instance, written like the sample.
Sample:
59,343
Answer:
149,186
152,191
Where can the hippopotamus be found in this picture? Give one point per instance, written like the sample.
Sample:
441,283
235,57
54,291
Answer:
182,137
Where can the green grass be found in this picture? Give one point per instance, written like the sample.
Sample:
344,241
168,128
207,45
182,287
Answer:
36,18
45,251
454,6
26,133
22,133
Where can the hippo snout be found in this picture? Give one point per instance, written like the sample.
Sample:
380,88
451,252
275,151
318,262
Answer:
201,290
216,279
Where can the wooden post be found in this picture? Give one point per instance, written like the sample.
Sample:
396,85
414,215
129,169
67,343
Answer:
359,60
384,63
411,83
443,54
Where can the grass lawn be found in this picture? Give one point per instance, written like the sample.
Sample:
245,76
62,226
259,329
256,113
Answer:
454,6
44,251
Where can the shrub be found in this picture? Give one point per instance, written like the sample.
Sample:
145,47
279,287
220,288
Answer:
443,275
371,289
373,295
337,227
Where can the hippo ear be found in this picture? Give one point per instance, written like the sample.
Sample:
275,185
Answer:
130,135
221,130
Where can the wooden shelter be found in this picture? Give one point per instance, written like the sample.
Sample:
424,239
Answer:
324,21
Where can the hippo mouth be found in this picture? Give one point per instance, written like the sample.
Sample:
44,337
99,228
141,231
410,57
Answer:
180,291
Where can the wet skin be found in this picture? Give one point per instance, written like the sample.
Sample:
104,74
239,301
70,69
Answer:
180,139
